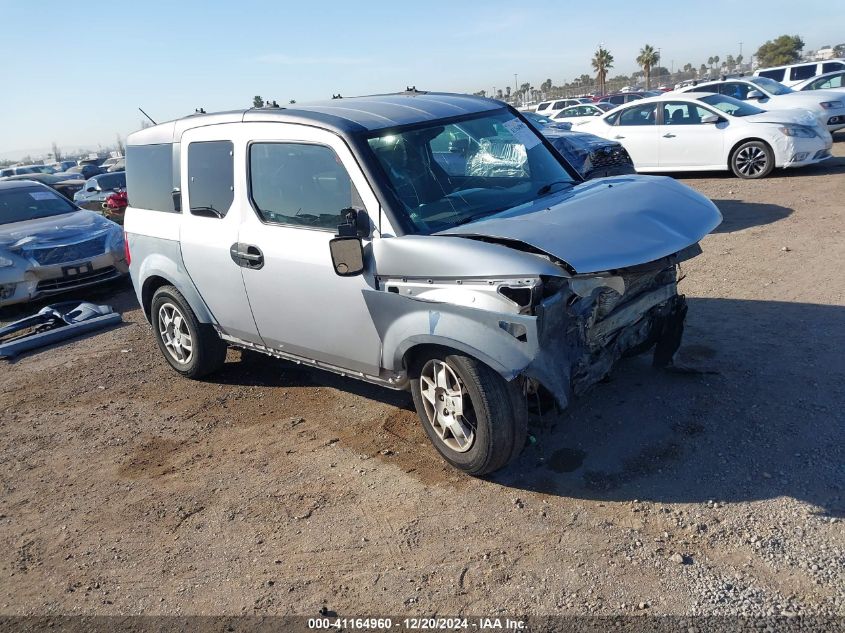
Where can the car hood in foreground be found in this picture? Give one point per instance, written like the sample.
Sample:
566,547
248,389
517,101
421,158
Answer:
55,230
605,224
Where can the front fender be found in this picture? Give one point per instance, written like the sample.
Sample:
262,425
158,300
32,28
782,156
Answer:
506,342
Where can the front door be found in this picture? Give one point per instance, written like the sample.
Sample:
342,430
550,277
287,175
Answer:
687,142
212,206
300,180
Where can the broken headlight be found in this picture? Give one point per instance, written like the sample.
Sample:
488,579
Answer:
7,290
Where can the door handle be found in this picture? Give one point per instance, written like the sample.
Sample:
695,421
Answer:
618,136
668,135
247,255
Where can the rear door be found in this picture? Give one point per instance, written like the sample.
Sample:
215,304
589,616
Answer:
687,142
636,128
213,202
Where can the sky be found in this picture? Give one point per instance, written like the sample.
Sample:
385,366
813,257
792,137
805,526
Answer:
76,74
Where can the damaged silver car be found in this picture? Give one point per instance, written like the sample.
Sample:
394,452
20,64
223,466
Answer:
48,245
420,241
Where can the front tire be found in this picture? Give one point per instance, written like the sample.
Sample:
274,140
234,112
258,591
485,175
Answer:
192,348
751,160
476,420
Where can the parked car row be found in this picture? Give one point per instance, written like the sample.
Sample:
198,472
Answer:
698,131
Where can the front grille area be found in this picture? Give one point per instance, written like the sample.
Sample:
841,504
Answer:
609,157
66,283
72,253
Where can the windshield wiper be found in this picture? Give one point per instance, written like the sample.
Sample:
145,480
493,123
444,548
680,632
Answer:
478,216
542,191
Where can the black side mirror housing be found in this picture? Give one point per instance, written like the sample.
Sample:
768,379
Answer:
357,223
347,256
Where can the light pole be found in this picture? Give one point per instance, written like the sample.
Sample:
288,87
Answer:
515,87
659,59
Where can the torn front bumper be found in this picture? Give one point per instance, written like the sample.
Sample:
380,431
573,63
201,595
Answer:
581,338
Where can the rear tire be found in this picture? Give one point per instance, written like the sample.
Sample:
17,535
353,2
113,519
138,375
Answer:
751,160
476,420
192,348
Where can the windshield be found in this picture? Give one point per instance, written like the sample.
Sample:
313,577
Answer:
444,175
770,85
729,105
31,203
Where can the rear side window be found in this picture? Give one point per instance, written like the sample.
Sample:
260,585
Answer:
639,115
735,89
829,67
543,106
300,184
211,176
776,74
802,72
149,176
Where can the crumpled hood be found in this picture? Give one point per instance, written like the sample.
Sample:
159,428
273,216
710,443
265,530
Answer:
606,224
56,230
579,141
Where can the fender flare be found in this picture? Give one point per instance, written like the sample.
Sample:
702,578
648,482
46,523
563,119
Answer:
158,266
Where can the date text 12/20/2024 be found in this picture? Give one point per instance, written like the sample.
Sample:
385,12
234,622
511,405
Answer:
416,624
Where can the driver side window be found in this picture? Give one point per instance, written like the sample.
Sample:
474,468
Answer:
300,184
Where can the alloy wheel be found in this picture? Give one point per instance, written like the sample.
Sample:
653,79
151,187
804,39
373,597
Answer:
175,333
751,160
447,406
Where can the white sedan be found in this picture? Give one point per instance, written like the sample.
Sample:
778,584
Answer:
578,114
768,94
829,81
706,131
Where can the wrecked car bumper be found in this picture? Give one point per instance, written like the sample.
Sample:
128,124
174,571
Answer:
575,335
44,281
578,346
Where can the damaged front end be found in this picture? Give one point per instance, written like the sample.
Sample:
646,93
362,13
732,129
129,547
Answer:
591,322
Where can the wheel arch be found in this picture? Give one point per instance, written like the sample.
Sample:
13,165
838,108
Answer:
750,139
158,271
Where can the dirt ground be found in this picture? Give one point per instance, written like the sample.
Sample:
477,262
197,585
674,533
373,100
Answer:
272,489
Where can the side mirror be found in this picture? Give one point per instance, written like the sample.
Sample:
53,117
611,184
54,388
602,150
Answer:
711,118
347,256
754,94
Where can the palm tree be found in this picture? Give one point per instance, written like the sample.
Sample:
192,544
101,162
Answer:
647,59
730,62
602,62
710,61
739,61
716,61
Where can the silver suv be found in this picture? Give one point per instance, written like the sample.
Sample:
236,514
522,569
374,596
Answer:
419,241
